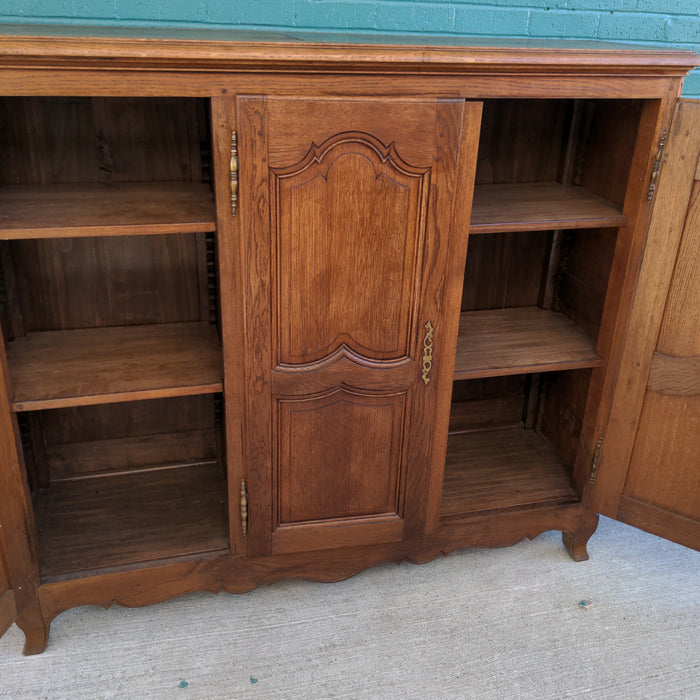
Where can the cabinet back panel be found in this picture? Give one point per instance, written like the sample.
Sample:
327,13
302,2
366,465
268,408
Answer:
606,156
94,282
522,141
504,270
583,278
562,406
127,436
79,139
480,404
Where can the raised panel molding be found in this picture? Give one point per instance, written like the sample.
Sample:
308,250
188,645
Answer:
359,474
343,368
349,216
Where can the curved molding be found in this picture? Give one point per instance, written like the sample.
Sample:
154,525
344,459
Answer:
384,204
316,155
345,368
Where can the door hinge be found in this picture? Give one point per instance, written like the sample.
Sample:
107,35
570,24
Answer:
233,173
656,167
596,459
244,508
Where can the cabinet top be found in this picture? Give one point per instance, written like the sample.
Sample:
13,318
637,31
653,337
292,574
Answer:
59,46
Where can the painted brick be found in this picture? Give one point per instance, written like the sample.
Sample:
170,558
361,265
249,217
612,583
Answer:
395,16
558,23
235,12
671,7
54,8
576,5
191,11
329,14
100,9
691,86
634,27
432,17
683,29
492,21
13,9
138,10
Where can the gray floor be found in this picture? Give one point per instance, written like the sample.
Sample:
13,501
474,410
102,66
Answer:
477,624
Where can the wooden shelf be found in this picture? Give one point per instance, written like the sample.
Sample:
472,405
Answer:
521,340
56,369
500,469
109,521
57,211
540,206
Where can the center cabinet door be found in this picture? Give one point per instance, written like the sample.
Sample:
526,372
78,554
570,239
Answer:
353,216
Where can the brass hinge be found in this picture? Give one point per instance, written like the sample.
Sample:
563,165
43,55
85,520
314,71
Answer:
233,173
656,167
244,508
596,459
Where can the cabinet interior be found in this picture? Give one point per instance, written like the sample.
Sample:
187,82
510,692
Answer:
550,186
111,320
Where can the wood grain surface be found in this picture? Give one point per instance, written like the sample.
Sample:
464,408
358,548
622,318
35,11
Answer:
505,468
59,211
132,518
540,206
514,341
55,369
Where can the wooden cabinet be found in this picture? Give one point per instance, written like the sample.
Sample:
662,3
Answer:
285,309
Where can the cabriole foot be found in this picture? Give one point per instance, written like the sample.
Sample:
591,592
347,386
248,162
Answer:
36,638
576,542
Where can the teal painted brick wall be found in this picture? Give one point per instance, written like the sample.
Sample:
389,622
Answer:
654,22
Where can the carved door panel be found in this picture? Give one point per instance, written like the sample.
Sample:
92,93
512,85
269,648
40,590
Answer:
353,227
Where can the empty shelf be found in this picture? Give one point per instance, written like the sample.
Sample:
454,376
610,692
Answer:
56,369
521,340
499,469
57,211
134,518
540,206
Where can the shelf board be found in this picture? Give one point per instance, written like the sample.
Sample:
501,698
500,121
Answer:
109,521
56,369
540,206
500,469
58,211
518,341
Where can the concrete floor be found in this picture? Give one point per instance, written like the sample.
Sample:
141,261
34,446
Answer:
477,624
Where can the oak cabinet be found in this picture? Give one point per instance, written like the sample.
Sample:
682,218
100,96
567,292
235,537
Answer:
314,307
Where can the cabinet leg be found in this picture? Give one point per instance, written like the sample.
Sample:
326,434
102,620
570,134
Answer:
36,635
575,542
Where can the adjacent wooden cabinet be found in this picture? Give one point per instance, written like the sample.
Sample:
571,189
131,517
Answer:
274,308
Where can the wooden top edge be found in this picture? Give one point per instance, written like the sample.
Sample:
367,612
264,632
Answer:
211,49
